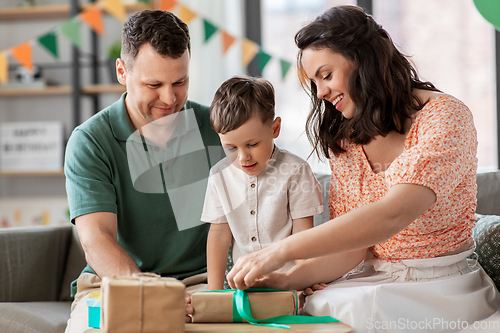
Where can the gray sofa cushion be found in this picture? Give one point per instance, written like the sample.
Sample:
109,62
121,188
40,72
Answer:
487,237
488,193
34,317
74,266
32,262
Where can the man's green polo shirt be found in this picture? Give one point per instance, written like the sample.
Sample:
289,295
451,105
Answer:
98,179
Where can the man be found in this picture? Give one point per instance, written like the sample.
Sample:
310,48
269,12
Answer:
133,170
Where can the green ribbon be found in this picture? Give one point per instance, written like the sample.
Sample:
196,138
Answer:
241,310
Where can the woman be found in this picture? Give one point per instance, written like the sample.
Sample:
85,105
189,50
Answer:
402,194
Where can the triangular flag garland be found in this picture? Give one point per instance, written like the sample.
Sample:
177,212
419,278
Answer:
167,5
71,29
285,66
248,51
263,59
210,29
92,16
22,53
186,14
4,68
49,42
227,41
115,8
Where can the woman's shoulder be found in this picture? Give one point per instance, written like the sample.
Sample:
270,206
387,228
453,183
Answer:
440,106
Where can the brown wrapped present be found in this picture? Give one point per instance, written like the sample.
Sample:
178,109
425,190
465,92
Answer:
144,303
219,307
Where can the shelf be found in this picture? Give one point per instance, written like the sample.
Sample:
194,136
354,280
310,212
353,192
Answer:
52,11
34,12
91,89
34,91
31,173
103,88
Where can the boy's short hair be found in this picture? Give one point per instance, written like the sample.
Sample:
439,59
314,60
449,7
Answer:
238,99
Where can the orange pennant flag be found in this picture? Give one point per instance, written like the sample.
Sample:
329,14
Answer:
167,4
227,41
93,17
248,51
186,14
4,68
115,8
22,53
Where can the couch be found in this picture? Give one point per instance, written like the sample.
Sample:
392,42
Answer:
37,264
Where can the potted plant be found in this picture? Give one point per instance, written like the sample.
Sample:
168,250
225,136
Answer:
113,53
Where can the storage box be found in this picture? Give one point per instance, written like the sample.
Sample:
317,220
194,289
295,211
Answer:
218,306
143,303
94,307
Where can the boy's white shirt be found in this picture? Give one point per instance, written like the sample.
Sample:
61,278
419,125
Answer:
285,190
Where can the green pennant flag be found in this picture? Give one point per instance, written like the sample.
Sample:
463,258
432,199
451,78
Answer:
49,41
285,66
263,59
71,29
210,29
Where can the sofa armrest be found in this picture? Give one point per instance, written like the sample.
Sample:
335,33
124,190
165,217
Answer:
32,262
488,193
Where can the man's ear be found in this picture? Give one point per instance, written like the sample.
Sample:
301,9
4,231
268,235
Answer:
276,127
121,71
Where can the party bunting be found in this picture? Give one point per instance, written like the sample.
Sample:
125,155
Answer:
186,14
71,29
285,66
4,68
93,17
49,41
227,41
263,58
248,51
167,4
115,8
22,53
210,29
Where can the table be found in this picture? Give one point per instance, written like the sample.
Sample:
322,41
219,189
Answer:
248,328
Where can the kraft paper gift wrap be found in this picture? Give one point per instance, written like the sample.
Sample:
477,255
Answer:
143,303
218,306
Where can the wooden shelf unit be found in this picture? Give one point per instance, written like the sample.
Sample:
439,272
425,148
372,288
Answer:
52,11
90,89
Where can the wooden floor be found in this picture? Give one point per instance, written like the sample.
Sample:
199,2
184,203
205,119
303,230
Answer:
248,328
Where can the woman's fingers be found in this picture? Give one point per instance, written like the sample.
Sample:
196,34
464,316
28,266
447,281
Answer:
189,309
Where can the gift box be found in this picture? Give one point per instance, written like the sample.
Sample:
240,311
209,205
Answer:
219,306
144,303
94,307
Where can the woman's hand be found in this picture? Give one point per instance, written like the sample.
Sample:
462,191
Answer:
252,267
310,290
189,309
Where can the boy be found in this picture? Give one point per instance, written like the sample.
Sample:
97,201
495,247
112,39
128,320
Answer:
258,194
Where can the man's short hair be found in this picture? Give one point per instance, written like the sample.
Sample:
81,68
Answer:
164,31
238,99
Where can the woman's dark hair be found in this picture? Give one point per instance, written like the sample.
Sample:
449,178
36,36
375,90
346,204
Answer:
164,31
380,84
